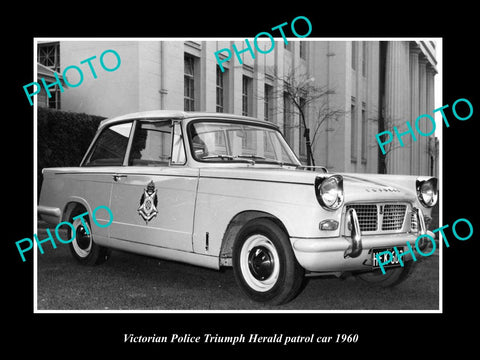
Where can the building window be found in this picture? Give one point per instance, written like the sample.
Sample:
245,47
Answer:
303,50
364,133
302,140
364,58
54,101
246,96
49,55
189,83
287,120
267,103
354,55
353,131
220,91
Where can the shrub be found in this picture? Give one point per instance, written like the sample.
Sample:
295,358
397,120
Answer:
63,138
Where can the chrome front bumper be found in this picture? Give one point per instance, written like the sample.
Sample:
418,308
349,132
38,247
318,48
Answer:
352,252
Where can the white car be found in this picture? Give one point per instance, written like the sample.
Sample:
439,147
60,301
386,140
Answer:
219,190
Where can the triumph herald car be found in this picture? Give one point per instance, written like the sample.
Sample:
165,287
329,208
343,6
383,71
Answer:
218,190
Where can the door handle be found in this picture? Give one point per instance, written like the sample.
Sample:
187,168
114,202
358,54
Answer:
117,177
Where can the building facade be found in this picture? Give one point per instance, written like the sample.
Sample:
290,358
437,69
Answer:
346,90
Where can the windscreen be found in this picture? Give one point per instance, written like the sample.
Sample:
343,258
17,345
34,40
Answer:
217,141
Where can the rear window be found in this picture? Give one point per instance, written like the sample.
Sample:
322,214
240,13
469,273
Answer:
111,146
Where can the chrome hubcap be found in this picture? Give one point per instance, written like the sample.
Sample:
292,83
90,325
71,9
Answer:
83,239
82,243
259,263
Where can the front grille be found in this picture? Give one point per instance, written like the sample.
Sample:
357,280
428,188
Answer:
393,216
367,216
380,217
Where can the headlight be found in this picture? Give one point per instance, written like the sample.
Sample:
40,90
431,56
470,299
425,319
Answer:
427,191
329,191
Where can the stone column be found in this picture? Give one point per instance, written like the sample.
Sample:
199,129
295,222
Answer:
208,75
414,104
278,84
430,107
235,83
397,104
422,140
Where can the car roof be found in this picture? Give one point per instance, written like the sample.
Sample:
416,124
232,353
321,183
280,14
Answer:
181,115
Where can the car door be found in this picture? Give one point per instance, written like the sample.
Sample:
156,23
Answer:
103,161
153,197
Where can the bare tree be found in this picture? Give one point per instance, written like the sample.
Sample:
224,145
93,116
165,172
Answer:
386,124
301,91
323,113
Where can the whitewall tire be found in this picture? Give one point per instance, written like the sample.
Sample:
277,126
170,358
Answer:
83,247
264,264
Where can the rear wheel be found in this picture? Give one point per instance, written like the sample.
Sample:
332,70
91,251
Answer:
83,247
264,264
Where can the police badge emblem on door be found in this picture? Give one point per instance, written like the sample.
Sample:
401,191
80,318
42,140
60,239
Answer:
148,203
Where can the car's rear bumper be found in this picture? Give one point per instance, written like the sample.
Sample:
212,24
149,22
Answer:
51,215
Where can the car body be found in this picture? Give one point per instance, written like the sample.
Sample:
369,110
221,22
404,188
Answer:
218,190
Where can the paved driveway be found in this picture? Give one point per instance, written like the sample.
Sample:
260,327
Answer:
132,282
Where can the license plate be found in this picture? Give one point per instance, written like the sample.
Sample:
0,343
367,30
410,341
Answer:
384,257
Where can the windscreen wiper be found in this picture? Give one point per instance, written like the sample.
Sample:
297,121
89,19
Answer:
281,163
253,157
219,156
227,157
250,158
265,160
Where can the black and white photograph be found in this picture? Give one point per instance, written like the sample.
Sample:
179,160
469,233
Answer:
282,185
264,166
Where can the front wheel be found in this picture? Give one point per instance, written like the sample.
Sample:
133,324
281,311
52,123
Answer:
392,276
264,264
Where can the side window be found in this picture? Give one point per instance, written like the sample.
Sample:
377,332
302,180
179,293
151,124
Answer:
178,147
151,144
110,147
